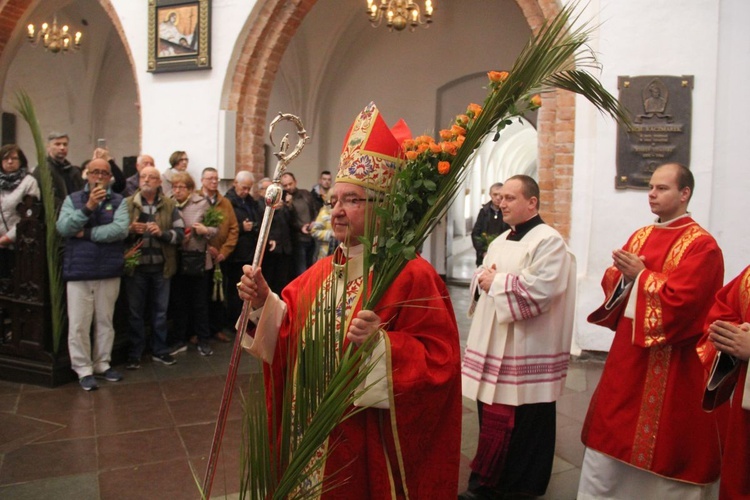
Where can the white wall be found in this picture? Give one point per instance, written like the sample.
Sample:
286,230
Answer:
641,37
180,111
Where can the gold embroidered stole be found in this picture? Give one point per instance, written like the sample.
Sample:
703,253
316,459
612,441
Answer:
647,426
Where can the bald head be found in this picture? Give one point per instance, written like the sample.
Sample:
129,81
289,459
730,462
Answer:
150,180
98,173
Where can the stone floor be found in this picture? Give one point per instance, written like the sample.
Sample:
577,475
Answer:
148,436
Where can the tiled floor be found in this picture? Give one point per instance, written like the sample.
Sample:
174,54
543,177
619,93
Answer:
149,435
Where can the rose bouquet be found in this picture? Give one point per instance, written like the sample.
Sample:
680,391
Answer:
287,461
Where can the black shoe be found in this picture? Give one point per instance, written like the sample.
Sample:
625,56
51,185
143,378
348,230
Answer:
88,383
205,349
110,375
165,359
133,364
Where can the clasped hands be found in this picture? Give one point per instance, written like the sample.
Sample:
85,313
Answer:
253,287
146,227
629,264
730,338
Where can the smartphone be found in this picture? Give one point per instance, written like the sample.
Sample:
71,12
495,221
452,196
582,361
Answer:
101,143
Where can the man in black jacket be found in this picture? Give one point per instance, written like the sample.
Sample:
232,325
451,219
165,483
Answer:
489,223
66,178
249,218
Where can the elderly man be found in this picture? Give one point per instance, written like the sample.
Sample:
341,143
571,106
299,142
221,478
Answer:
94,223
518,348
156,224
220,247
249,219
132,182
66,178
405,438
646,434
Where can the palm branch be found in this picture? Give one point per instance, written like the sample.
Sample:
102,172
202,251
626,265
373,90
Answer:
25,107
325,381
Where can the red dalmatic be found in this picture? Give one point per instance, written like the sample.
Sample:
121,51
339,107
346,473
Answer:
646,410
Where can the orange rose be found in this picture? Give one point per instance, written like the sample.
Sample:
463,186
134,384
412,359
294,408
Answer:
460,140
449,148
474,110
457,130
411,155
408,144
536,100
424,139
421,148
462,120
498,76
435,148
446,134
444,167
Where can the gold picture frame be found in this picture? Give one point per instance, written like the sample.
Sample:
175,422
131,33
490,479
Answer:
179,35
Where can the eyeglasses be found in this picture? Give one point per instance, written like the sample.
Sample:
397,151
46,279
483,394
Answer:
99,173
178,187
347,201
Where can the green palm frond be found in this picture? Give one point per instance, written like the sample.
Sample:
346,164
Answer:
25,108
322,382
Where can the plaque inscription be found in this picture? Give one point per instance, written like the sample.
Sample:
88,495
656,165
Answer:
661,111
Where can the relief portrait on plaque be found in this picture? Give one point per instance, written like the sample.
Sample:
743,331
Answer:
661,111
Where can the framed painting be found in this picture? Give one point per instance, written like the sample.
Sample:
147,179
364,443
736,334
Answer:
179,35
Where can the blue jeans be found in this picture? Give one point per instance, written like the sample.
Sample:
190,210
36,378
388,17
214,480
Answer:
140,287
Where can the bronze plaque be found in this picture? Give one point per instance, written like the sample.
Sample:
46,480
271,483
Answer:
661,110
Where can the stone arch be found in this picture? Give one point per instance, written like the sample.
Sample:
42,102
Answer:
273,23
12,12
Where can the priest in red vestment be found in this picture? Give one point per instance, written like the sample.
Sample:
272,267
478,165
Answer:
405,440
646,434
725,350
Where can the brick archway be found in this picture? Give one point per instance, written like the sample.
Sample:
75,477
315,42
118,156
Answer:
273,23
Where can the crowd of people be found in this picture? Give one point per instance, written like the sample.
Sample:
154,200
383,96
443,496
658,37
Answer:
174,246
669,418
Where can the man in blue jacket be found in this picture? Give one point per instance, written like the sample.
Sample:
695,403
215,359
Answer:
94,223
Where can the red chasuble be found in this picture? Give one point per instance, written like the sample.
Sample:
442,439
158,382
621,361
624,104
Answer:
412,449
646,410
733,305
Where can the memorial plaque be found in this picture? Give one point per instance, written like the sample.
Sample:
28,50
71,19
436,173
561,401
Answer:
661,112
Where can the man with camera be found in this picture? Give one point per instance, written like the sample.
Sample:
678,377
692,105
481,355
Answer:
94,223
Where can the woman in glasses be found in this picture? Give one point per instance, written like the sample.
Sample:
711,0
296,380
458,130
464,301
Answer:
15,184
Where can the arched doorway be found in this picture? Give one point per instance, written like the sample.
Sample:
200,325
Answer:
89,94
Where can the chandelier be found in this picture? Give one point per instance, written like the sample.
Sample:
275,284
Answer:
53,38
399,14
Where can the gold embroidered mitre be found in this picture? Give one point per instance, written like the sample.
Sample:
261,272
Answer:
372,152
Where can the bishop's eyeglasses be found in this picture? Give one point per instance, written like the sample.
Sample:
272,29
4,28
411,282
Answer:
351,201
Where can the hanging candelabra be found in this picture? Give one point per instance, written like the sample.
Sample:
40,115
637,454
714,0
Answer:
53,38
398,14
